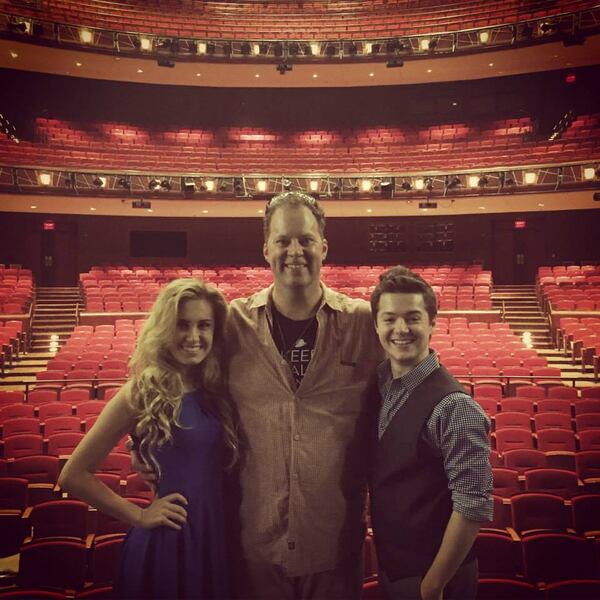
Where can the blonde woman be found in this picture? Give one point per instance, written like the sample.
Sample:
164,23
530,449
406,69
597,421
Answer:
175,407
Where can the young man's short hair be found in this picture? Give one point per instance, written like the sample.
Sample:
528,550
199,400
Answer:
401,280
293,199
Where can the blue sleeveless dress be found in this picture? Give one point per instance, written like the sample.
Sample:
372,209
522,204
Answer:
191,563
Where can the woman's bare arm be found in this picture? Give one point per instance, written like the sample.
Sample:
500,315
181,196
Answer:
77,476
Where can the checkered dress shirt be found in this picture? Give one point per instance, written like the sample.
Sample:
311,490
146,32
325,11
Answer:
457,429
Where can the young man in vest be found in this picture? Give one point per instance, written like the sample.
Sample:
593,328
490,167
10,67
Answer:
431,479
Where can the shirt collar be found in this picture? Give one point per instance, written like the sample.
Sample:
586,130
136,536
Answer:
411,380
329,298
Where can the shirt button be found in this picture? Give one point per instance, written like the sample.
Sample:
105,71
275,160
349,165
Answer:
296,437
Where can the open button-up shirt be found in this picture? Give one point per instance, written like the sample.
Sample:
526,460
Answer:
303,480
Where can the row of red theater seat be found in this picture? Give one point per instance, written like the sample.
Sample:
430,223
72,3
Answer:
45,405
538,558
31,480
580,337
556,410
512,465
244,21
116,290
57,444
544,420
59,416
354,139
562,444
548,480
76,146
41,473
16,290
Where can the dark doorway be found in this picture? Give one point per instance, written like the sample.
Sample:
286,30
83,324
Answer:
58,266
519,248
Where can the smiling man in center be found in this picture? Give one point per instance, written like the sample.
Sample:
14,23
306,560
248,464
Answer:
301,356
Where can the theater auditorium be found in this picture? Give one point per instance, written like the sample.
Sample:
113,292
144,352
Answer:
140,142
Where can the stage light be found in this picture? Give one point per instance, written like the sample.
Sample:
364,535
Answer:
238,186
429,44
287,185
589,173
165,185
209,184
387,187
188,185
453,182
19,26
201,47
164,44
419,183
283,67
45,178
530,177
330,50
368,48
256,49
473,181
124,183
86,36
428,183
145,44
315,48
406,185
261,185
484,37
506,180
314,185
548,27
99,181
391,46
153,183
366,185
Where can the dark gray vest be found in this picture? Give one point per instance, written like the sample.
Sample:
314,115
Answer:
410,500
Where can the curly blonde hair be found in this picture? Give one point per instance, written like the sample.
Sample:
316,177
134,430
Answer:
157,385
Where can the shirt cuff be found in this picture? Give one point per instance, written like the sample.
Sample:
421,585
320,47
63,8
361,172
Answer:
474,508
